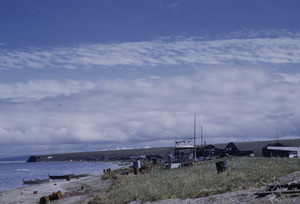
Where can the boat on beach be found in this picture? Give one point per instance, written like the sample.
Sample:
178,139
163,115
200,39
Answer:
66,176
36,181
60,176
79,175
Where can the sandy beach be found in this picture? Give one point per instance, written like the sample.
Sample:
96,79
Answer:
77,190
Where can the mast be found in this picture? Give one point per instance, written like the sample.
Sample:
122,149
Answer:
201,137
195,155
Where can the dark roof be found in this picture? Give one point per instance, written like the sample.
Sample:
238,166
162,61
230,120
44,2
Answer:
230,145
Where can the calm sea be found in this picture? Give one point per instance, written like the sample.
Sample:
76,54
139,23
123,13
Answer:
12,173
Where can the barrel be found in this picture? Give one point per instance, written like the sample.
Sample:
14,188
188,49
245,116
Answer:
59,192
54,196
222,166
44,200
136,170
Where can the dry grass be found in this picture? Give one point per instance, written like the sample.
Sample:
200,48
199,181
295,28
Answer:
198,181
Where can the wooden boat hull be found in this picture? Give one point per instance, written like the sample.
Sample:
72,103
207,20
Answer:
79,175
60,176
36,181
66,176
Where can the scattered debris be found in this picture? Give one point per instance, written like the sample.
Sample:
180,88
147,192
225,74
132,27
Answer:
288,185
187,163
292,190
106,170
124,173
54,196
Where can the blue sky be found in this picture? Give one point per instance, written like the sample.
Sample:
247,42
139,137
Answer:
96,75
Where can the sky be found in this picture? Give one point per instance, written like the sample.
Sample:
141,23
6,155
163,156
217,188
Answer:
88,75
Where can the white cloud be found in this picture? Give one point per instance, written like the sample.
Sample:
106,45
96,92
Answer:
38,89
294,78
162,52
235,103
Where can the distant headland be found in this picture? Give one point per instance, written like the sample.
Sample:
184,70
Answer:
110,155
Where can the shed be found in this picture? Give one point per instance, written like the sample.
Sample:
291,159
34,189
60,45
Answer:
274,153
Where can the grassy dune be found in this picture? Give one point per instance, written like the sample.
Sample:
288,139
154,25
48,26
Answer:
197,181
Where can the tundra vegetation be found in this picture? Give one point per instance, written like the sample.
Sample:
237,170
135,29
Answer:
199,180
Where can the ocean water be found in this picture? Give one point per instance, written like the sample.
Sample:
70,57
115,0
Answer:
13,173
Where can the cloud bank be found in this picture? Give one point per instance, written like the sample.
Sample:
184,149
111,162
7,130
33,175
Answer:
163,52
38,89
235,97
236,104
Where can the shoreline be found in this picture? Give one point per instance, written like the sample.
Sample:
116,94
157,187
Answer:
77,190
22,170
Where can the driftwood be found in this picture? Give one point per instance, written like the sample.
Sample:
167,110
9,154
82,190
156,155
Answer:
288,186
281,189
278,193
